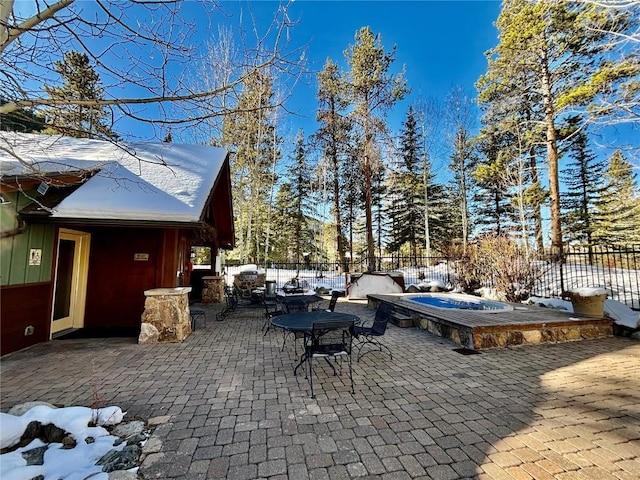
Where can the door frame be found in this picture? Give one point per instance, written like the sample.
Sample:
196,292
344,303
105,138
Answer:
79,278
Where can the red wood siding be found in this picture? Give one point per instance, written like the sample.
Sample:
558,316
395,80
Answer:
115,290
21,306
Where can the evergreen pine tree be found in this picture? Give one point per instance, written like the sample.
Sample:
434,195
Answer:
284,222
557,50
409,206
492,212
372,92
300,181
333,137
618,205
583,180
251,134
80,82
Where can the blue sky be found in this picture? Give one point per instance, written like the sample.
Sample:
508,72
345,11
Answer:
440,43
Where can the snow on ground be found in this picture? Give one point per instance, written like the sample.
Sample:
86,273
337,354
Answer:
619,312
93,442
620,284
588,279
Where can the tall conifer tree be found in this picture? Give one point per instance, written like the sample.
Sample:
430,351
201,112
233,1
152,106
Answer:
558,48
300,181
333,137
618,206
80,83
373,90
252,135
583,180
410,202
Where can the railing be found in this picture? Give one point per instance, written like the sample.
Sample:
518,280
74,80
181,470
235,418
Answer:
329,274
617,269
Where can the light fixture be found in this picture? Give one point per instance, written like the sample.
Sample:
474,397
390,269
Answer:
42,188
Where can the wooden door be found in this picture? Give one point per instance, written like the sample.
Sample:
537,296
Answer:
72,268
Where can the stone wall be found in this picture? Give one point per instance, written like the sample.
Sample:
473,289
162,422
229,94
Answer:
491,337
166,317
212,289
544,334
247,282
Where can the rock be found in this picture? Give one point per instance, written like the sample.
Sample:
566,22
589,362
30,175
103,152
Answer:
126,430
122,475
52,434
155,421
35,456
136,439
68,442
33,430
120,460
153,445
38,477
89,440
25,407
149,334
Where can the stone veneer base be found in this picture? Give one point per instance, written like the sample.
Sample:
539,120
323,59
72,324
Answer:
477,332
166,315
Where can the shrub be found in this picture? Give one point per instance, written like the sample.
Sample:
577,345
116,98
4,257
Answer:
499,262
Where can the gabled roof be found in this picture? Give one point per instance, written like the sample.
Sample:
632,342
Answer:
145,182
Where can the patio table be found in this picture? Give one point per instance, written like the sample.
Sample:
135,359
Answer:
298,298
303,322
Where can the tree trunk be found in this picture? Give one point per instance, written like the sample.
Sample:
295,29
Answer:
552,160
537,210
336,206
371,252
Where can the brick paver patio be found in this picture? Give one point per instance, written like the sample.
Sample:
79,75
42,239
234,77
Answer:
227,405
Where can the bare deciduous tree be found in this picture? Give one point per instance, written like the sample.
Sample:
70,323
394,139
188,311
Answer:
143,51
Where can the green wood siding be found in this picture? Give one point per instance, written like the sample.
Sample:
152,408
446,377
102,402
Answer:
15,250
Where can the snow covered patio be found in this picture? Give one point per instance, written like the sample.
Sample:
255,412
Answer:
228,405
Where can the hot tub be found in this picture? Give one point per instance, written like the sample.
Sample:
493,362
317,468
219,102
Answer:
459,301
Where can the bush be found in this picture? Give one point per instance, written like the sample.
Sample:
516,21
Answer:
501,263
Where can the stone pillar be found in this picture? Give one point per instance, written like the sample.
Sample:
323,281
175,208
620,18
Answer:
166,317
212,289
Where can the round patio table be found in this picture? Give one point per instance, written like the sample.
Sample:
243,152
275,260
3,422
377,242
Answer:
298,298
303,321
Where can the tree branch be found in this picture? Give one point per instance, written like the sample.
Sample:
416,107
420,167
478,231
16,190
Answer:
11,34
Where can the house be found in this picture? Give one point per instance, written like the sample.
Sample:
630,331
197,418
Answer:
86,226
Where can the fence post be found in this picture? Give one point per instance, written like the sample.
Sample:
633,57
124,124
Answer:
560,257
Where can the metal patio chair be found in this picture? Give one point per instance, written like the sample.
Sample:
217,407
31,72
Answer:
294,307
332,303
368,335
271,309
231,303
330,340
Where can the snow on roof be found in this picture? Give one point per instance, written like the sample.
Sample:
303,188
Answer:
135,181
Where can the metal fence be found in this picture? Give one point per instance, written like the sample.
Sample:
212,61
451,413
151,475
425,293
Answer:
617,269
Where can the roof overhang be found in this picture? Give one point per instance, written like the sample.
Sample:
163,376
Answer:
101,183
